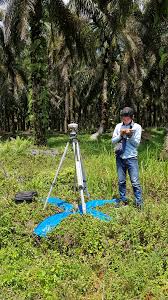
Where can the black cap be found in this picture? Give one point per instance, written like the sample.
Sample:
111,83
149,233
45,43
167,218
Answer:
127,112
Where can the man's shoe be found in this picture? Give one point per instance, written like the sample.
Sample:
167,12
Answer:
120,202
139,206
124,203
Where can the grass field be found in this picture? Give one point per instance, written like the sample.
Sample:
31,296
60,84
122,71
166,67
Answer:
84,258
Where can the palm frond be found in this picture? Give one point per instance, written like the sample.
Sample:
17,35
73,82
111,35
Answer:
16,19
88,83
75,30
103,4
86,7
1,37
9,61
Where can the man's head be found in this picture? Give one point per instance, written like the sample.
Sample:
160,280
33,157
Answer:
127,114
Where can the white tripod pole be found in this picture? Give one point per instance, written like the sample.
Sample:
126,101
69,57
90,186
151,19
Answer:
85,189
79,173
56,175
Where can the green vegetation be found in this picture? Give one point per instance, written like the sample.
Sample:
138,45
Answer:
83,258
82,62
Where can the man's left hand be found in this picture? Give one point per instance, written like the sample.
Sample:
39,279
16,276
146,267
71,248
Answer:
129,132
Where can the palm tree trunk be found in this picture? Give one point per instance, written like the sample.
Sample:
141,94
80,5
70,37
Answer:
71,112
103,124
66,117
39,75
67,94
104,101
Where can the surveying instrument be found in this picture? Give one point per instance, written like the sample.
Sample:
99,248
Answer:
80,173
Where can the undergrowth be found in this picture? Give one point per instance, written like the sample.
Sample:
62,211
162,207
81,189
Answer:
83,258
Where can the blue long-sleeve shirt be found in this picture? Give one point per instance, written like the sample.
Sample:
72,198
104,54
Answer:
132,143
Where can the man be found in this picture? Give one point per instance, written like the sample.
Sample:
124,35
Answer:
127,137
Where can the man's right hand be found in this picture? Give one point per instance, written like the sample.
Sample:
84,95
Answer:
126,132
123,132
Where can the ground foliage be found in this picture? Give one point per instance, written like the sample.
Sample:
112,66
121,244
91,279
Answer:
83,258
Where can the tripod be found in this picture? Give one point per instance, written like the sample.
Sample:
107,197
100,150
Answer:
80,172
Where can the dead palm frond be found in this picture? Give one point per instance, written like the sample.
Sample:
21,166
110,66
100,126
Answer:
17,19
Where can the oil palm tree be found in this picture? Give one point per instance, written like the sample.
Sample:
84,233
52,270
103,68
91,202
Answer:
133,47
108,18
12,81
27,20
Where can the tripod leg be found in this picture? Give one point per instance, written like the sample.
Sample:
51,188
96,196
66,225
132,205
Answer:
79,174
83,201
84,180
83,173
75,183
56,175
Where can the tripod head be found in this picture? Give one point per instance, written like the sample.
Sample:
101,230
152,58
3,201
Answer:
73,128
